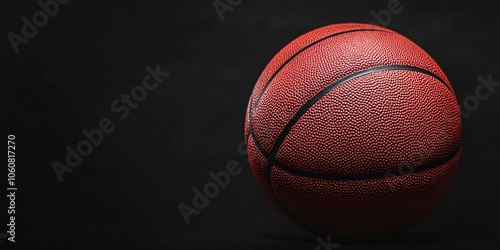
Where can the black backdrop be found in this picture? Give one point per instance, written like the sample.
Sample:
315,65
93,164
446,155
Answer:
126,193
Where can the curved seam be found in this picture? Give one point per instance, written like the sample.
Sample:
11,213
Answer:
271,156
371,176
252,107
332,86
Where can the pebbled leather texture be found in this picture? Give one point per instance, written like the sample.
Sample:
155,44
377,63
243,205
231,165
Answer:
347,101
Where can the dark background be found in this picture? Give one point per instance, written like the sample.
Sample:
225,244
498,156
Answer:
126,192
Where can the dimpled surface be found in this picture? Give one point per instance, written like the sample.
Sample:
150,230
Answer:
377,122
363,207
375,115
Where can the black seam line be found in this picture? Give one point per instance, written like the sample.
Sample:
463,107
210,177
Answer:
285,131
271,157
254,106
269,187
259,147
302,50
335,84
372,176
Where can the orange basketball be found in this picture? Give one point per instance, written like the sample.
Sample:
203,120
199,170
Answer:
354,130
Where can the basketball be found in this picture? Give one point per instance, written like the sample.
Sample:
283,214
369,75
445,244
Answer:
353,130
